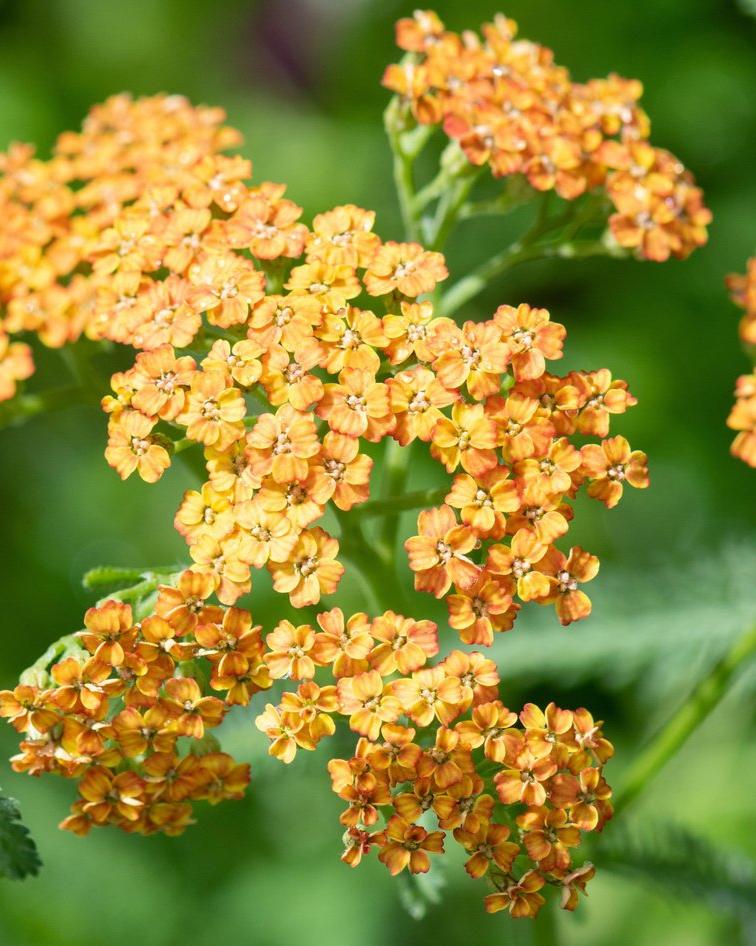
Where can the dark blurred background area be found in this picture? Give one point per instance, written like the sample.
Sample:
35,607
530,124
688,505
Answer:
301,79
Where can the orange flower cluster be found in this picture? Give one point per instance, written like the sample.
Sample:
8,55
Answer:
115,712
434,739
512,513
331,375
510,106
66,267
256,341
743,414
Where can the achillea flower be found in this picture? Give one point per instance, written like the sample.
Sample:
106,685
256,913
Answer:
487,846
520,898
611,465
344,644
530,337
474,357
485,501
482,609
311,570
253,350
467,439
566,573
742,418
401,644
343,236
132,447
405,268
417,399
438,555
290,649
365,699
280,444
358,406
213,411
509,105
16,364
430,693
287,732
407,846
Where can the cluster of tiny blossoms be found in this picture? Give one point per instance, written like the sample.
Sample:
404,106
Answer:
278,352
128,713
64,269
510,106
257,345
743,414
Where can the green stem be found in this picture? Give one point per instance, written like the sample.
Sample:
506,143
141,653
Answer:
704,698
376,575
403,162
449,207
395,469
519,252
421,499
180,445
140,590
516,192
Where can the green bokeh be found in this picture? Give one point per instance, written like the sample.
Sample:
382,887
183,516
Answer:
301,79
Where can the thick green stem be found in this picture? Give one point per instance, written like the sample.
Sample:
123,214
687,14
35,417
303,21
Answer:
704,698
421,499
402,166
449,207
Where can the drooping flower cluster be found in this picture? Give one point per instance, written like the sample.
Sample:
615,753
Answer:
743,414
510,106
128,712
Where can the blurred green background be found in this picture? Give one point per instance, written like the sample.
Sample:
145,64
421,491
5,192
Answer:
301,79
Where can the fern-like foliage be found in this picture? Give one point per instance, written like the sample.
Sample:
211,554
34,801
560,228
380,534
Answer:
689,866
419,892
657,629
18,852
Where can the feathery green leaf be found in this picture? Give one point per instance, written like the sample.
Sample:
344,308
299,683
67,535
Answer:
18,852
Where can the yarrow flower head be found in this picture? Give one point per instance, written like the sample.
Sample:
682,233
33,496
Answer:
507,105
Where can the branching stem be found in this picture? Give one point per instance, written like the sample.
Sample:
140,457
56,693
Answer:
704,698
